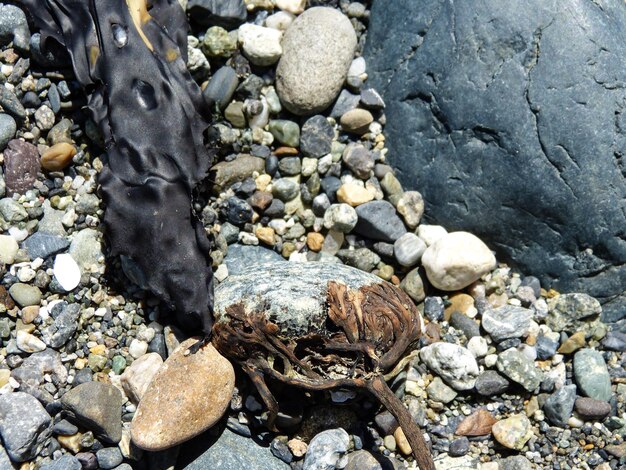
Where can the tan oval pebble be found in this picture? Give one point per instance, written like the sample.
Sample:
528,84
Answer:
188,395
356,121
58,156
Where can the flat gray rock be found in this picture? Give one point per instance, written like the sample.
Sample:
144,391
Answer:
234,452
509,119
24,425
240,257
292,294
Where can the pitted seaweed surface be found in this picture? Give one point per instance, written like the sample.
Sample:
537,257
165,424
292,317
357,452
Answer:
130,59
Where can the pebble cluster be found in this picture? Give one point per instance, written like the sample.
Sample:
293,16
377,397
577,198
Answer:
507,375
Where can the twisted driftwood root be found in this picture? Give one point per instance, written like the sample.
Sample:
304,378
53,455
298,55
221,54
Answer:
365,335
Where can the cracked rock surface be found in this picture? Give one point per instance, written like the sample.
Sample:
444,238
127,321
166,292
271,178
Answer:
511,133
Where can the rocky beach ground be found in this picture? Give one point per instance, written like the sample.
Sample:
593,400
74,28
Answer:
508,374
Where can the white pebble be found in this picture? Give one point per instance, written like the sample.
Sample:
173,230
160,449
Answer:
29,343
137,348
260,44
8,249
478,346
490,360
18,233
431,233
66,272
292,6
279,21
221,272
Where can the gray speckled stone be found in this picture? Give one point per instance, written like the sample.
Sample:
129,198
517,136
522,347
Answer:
325,449
241,257
234,452
292,294
318,49
378,220
559,406
43,245
24,425
592,375
508,321
67,462
519,368
14,27
454,364
98,407
8,127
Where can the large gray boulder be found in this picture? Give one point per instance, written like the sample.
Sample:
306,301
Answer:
508,117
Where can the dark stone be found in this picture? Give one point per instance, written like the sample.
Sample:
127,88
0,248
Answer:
459,447
98,407
359,160
158,346
11,104
238,211
54,99
64,428
281,451
229,451
242,257
221,87
371,99
66,462
290,166
533,283
275,209
345,102
434,308
559,406
545,347
316,137
21,164
271,165
386,422
88,460
228,13
24,425
615,341
464,323
109,457
14,27
495,117
31,100
378,221
491,383
330,185
250,88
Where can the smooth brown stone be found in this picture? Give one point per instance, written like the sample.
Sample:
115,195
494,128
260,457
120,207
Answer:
591,409
57,157
188,395
285,151
478,423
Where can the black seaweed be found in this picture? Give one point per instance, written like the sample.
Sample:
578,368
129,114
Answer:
130,58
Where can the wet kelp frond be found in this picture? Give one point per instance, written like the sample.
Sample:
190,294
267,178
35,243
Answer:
130,58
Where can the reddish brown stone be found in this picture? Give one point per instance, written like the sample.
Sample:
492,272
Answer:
478,423
6,299
21,164
189,394
260,200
